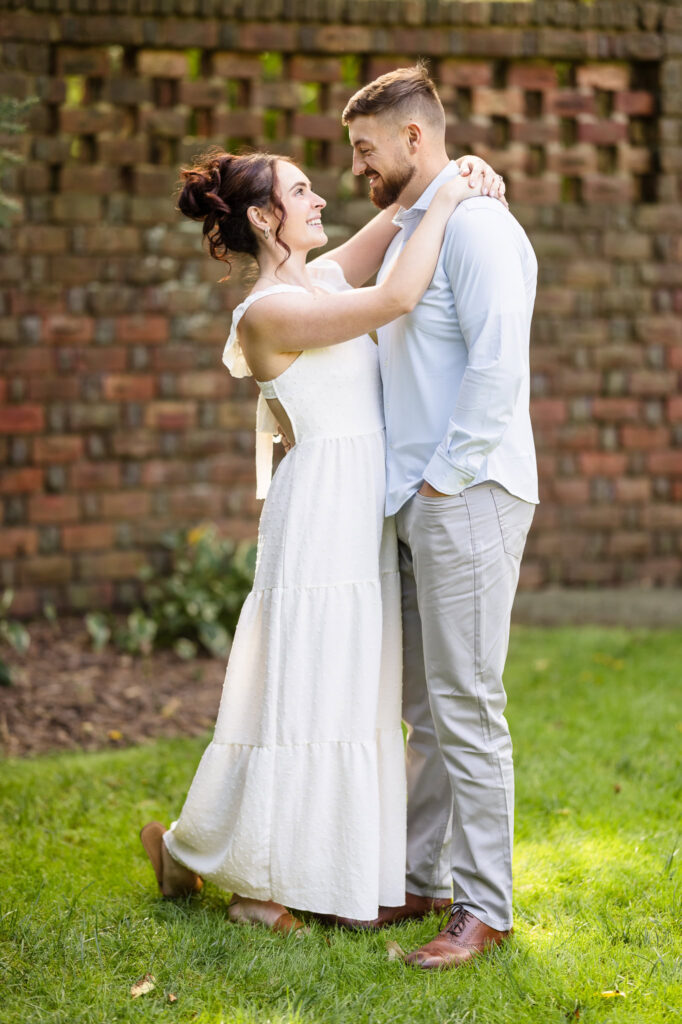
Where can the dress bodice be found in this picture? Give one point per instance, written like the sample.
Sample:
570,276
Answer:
327,392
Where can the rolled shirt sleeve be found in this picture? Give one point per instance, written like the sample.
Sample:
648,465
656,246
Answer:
485,270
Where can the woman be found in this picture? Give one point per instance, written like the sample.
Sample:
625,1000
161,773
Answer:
299,800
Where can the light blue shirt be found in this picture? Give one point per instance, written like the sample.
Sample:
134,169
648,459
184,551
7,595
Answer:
455,371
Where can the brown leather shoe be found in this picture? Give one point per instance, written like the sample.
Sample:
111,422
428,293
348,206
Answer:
413,907
463,937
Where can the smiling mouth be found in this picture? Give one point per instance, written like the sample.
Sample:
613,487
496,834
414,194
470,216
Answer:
316,223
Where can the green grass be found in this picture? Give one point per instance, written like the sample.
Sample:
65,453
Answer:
596,717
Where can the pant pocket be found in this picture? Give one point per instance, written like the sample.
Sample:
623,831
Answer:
514,517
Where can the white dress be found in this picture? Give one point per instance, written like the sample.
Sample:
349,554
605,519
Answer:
300,796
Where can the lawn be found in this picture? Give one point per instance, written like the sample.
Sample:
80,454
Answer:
596,716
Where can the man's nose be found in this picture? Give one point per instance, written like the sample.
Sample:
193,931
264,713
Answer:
359,164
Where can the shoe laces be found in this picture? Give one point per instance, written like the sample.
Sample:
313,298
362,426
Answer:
454,919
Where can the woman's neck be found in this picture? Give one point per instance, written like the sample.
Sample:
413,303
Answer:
292,271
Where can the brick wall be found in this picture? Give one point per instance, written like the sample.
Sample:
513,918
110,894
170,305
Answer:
117,418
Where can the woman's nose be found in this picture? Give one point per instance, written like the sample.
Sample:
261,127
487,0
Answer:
319,202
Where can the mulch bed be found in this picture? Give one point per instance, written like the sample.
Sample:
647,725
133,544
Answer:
65,696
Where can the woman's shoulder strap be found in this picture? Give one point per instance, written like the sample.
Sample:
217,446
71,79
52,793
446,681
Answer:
233,357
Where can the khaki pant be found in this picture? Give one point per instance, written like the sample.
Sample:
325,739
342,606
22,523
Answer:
459,566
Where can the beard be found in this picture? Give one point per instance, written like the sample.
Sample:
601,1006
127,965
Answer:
389,186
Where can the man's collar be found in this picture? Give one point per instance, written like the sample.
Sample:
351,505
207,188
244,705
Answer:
451,170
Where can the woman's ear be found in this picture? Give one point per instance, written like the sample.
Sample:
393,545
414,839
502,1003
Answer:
257,219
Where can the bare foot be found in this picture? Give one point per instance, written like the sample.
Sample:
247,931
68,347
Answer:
273,915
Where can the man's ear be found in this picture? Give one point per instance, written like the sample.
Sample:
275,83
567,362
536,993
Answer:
413,136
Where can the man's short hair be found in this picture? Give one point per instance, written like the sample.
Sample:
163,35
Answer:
405,91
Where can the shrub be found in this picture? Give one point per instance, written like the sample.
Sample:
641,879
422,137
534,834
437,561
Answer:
13,634
194,606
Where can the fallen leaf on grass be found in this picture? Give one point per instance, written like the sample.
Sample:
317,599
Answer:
172,998
395,952
143,985
610,993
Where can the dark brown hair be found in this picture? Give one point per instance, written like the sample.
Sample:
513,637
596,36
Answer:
402,91
219,188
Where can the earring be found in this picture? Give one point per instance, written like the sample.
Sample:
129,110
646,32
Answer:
266,233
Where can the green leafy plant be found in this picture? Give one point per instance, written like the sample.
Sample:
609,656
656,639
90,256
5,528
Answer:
11,113
192,607
12,634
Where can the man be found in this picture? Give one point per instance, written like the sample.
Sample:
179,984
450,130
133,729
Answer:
462,482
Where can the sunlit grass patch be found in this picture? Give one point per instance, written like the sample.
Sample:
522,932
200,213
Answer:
595,720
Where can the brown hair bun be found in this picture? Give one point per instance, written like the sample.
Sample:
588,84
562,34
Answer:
219,188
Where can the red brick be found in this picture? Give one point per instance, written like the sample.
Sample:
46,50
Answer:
547,411
498,102
236,66
633,490
629,544
43,238
666,463
653,382
114,565
88,537
83,60
59,448
91,120
31,361
578,436
616,410
205,384
675,408
85,596
578,382
570,103
128,387
141,329
328,39
317,126
162,64
158,472
96,180
603,133
610,77
45,569
170,415
68,330
43,389
602,463
53,508
125,505
590,572
635,104
605,188
571,490
626,247
20,481
533,77
94,476
541,191
241,123
22,419
315,69
659,329
18,540
645,438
